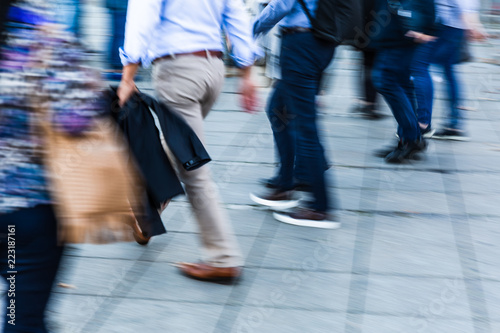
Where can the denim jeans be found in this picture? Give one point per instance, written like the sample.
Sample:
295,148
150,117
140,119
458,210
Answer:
293,115
37,257
443,52
391,77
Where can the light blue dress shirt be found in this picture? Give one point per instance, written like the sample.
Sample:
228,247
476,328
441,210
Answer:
450,12
156,28
289,13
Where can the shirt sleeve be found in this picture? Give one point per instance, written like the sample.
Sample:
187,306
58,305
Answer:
142,18
237,25
274,12
468,6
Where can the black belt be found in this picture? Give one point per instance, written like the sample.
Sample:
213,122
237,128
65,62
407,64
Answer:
294,30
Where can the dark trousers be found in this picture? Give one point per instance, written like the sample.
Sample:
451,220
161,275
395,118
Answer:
37,257
118,18
303,59
370,93
444,51
391,77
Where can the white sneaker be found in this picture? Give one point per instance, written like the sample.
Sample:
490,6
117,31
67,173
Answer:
307,218
276,200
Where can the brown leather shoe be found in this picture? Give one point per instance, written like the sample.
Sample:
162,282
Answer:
137,233
205,272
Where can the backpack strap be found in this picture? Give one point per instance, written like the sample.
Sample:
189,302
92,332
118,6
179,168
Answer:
307,12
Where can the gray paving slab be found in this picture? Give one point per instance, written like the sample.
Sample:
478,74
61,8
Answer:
485,232
492,295
412,296
403,246
414,324
269,320
307,290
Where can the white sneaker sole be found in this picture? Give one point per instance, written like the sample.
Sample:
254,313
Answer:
307,223
280,205
452,138
429,134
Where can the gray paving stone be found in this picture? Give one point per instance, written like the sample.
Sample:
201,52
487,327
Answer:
492,295
429,324
139,315
311,250
485,232
402,246
481,203
96,276
411,296
270,320
306,290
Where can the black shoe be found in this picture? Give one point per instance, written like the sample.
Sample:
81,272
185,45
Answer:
451,134
406,151
271,183
386,151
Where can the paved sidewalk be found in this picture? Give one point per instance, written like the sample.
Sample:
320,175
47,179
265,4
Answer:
418,251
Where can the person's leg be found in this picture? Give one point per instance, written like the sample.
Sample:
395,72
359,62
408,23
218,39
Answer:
422,81
446,56
370,93
182,84
390,76
280,120
37,258
302,65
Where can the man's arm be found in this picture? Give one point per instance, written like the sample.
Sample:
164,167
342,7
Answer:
237,26
143,16
274,12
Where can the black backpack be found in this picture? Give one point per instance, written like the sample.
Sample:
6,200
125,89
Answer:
335,20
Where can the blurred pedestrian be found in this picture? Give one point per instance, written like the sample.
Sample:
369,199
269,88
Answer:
292,113
453,28
118,13
368,103
41,86
402,26
182,40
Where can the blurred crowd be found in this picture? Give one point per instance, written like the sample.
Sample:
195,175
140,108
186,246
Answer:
84,163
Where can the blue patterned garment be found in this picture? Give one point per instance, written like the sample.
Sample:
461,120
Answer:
39,65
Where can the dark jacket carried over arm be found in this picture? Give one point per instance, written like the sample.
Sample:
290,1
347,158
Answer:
138,126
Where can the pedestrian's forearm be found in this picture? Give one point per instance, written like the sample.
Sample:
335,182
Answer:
246,73
129,72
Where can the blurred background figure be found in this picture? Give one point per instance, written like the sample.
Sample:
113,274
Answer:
69,14
457,21
367,104
118,16
396,45
43,88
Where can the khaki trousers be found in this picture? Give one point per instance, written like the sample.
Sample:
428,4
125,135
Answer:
190,85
